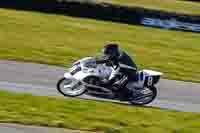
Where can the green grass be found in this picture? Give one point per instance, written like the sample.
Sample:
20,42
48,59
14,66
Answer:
177,6
93,116
59,40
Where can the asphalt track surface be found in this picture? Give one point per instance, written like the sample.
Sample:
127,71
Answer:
14,128
39,79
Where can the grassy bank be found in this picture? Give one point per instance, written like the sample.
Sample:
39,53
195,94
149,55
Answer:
52,39
177,6
93,116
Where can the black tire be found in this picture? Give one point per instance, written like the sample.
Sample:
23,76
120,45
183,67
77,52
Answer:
154,91
65,94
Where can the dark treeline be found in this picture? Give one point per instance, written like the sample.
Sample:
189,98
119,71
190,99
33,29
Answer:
100,11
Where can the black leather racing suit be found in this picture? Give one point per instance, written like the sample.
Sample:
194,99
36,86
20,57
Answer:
124,64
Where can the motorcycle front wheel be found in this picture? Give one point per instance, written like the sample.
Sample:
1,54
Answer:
146,96
67,88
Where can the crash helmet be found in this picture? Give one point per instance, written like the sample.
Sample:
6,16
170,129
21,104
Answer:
111,50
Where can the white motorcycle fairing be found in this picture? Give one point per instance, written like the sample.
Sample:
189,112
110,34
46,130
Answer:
152,73
145,76
89,68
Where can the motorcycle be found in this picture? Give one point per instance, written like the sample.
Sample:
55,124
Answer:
86,76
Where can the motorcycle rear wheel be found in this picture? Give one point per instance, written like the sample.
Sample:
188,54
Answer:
135,101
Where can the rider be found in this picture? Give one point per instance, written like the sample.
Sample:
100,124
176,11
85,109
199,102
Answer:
121,62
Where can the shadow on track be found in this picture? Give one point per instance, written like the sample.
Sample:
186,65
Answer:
104,98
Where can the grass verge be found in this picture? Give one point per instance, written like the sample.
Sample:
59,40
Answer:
54,39
93,116
178,6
